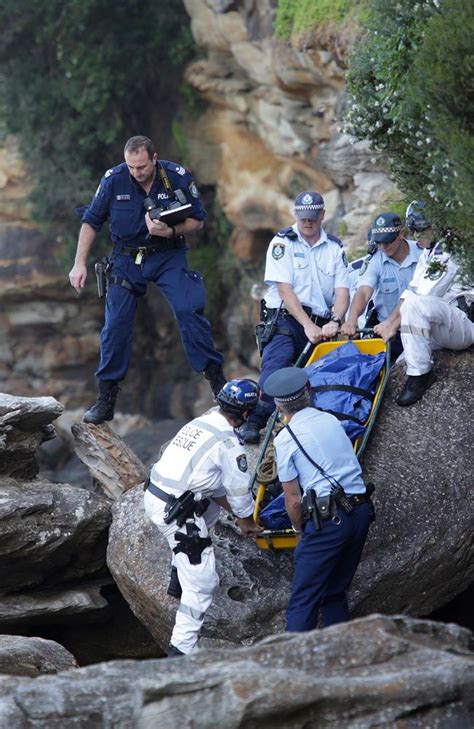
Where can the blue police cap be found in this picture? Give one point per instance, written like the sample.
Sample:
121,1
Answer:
385,228
286,384
308,205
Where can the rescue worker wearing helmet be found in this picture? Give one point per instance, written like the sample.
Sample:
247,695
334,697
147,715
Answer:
435,311
201,470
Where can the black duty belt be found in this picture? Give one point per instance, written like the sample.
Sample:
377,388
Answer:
162,495
164,244
320,321
357,499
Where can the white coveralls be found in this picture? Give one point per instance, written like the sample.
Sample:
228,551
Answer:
204,457
430,318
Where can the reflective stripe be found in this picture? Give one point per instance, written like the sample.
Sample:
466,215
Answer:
181,484
191,612
417,331
215,431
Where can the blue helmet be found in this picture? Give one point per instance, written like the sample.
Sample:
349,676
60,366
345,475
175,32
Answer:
415,218
237,396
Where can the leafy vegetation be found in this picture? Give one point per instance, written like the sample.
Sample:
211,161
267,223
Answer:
77,77
411,93
296,16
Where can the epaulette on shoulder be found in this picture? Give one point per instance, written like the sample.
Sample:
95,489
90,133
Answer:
335,240
114,170
288,233
172,166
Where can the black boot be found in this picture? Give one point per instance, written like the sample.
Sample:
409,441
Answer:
215,376
173,651
174,587
414,388
103,408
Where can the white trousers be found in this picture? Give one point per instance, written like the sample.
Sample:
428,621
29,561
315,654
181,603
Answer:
198,581
429,323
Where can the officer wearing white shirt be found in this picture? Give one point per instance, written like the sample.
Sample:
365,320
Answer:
388,273
315,458
308,296
433,313
203,468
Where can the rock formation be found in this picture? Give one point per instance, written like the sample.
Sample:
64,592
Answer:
270,130
32,656
53,538
377,671
419,551
272,125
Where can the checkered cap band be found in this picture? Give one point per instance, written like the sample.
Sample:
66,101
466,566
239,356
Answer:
310,207
391,229
290,398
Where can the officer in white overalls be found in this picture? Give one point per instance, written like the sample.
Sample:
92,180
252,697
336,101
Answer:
434,310
203,468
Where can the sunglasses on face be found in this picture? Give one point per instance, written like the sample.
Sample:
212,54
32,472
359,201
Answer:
420,233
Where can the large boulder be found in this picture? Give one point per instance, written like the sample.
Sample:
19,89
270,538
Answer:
25,423
377,671
50,533
418,555
253,585
21,656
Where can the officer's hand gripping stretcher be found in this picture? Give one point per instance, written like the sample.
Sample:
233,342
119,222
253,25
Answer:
202,469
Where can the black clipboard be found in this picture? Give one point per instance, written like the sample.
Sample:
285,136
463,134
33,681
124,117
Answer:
176,215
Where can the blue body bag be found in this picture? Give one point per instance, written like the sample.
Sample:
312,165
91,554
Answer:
343,383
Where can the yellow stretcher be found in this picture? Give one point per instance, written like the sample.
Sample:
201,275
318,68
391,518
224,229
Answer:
286,538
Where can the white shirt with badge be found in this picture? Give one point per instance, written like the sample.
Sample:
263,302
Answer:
205,457
314,272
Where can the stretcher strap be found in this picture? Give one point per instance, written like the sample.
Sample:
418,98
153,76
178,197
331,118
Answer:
345,416
345,388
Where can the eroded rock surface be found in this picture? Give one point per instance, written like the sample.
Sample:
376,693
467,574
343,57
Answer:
25,423
50,533
419,555
253,590
374,672
21,656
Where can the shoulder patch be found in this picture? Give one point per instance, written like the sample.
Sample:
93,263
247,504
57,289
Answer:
242,463
335,240
288,233
193,189
180,170
278,250
363,267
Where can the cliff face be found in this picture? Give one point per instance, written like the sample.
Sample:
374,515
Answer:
271,127
268,132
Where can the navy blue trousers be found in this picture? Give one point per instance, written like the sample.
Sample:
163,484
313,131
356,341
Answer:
325,564
282,351
184,292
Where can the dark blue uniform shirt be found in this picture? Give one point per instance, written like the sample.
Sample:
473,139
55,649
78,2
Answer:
120,198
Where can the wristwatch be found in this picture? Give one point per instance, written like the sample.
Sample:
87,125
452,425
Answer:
336,319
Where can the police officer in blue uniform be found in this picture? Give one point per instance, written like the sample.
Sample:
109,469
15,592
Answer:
308,296
145,250
384,276
326,500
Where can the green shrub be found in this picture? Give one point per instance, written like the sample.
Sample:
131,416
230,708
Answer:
411,93
295,16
